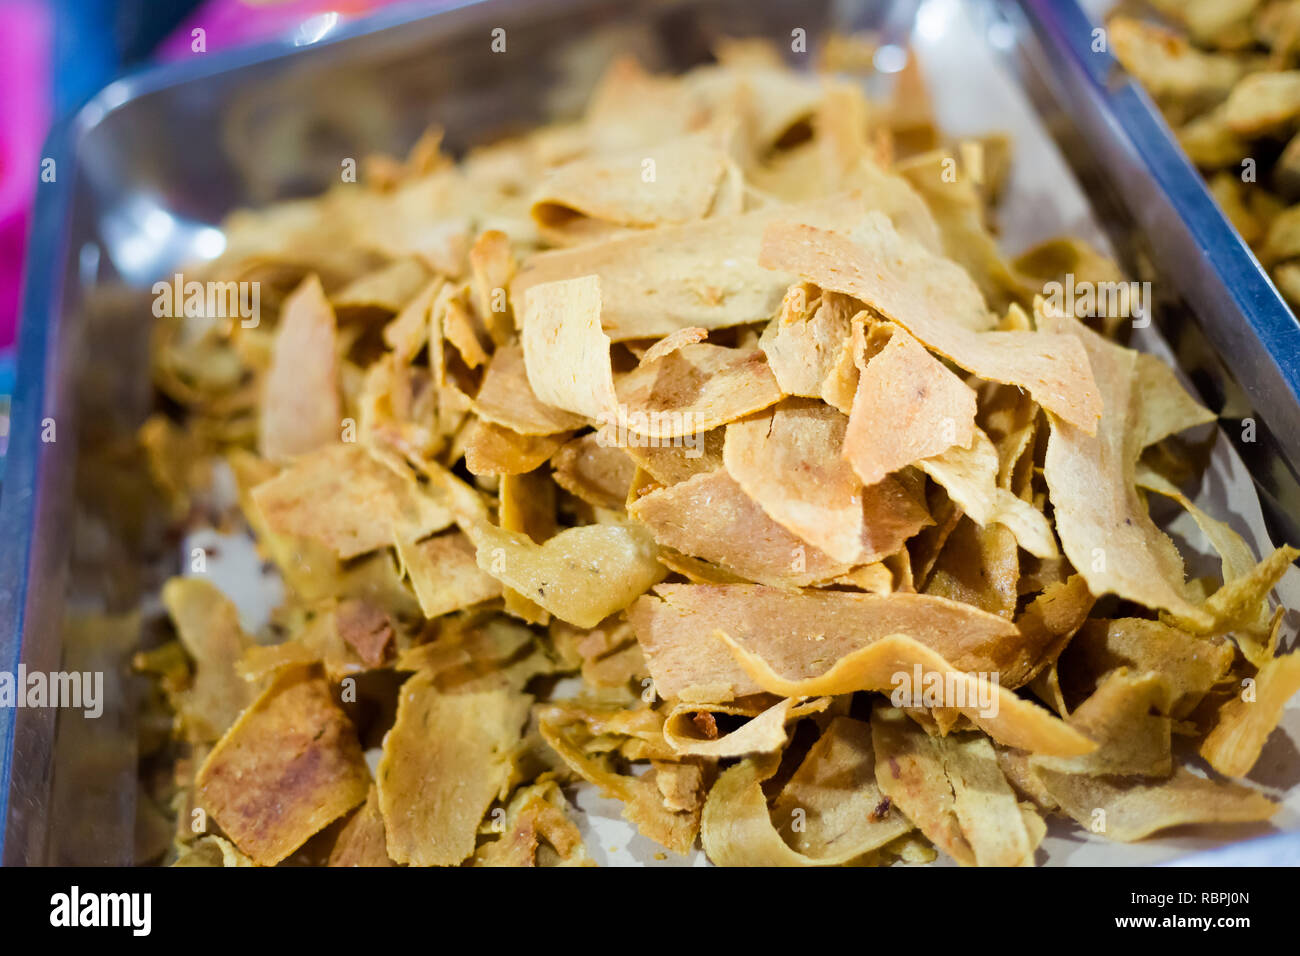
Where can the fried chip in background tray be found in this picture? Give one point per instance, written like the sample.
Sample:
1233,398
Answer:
789,461
287,768
792,368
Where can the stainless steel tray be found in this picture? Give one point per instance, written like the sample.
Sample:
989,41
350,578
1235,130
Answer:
149,167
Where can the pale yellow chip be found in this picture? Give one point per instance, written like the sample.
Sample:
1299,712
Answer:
565,352
444,762
582,575
809,346
686,726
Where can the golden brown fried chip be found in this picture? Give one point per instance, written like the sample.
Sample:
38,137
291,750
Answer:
679,181
288,767
832,795
496,450
952,789
764,733
694,389
1245,722
506,398
789,461
970,476
444,573
1125,716
346,499
582,575
534,831
444,762
907,406
300,408
595,471
883,664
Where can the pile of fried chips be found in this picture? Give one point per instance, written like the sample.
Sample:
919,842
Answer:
1226,75
706,451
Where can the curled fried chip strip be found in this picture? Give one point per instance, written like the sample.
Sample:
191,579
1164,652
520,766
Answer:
879,666
840,808
934,300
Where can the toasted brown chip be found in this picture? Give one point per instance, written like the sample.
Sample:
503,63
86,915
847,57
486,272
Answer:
288,767
907,406
444,762
936,301
711,517
789,461
300,397
361,841
594,470
445,574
